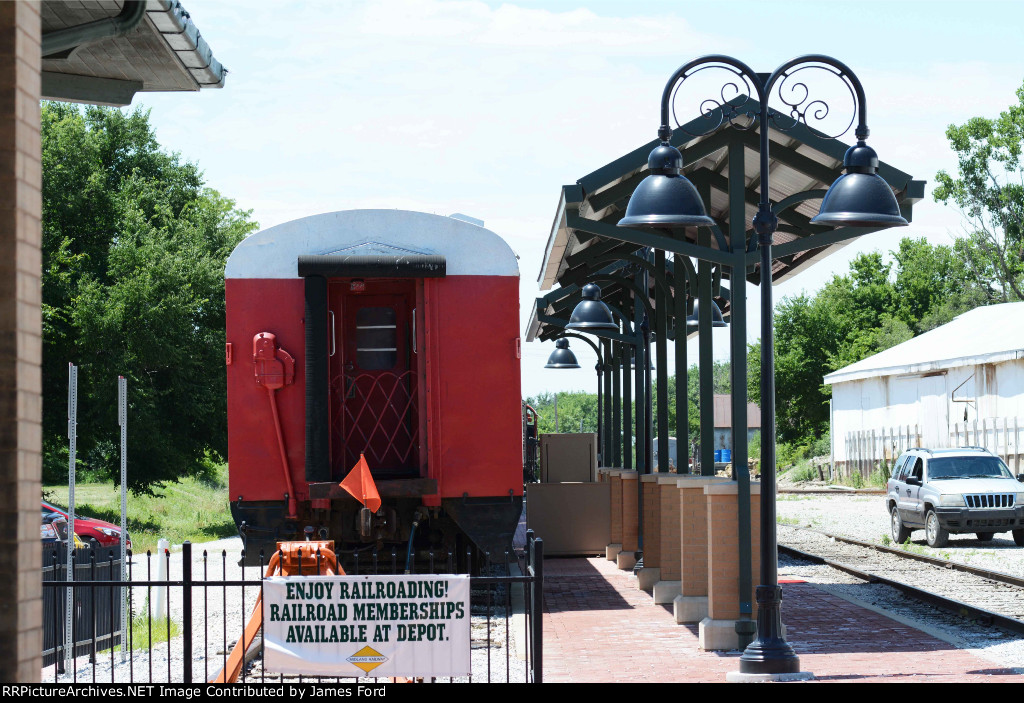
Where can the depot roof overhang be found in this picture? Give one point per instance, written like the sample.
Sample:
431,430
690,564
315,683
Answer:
164,52
803,163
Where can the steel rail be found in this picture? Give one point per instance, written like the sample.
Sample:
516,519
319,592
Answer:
989,574
985,617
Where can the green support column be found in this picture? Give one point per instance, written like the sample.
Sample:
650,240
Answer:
615,430
661,363
746,628
640,387
627,408
705,355
606,379
682,405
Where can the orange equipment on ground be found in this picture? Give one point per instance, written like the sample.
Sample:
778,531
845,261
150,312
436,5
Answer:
290,559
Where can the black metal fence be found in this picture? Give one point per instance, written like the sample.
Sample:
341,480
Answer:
209,598
96,625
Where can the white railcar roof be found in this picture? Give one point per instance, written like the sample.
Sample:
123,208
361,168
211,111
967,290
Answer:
469,250
985,335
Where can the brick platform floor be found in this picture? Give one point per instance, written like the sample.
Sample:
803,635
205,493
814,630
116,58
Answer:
600,627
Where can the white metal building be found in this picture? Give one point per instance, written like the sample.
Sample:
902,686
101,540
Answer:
959,384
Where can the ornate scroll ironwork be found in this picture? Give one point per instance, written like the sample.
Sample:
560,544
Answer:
737,99
724,108
796,96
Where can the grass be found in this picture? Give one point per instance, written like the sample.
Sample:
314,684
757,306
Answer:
140,635
141,632
787,520
803,471
191,509
877,479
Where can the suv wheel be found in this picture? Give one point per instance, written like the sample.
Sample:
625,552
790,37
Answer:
936,535
984,536
1018,538
900,533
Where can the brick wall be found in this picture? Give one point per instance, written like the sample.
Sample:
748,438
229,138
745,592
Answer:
668,496
616,503
693,537
21,635
652,522
629,515
723,564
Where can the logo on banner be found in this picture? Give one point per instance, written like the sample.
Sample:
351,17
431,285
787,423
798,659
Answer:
367,659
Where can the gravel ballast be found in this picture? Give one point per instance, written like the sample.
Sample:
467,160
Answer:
864,517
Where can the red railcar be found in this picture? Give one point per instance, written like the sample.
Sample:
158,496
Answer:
386,333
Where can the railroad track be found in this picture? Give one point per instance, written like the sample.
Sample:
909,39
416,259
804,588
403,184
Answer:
989,597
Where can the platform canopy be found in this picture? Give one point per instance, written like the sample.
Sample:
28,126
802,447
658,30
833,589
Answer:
104,52
584,238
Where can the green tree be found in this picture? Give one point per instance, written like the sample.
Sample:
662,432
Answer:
934,284
875,306
989,189
574,410
134,248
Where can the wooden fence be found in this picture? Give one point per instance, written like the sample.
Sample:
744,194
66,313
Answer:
869,450
1001,436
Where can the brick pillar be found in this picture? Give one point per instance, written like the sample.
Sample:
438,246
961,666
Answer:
626,559
667,587
614,478
21,608
651,573
718,629
691,603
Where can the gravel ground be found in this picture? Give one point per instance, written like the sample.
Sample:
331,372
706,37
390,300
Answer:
863,517
218,620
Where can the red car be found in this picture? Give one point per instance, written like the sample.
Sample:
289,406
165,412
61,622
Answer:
98,534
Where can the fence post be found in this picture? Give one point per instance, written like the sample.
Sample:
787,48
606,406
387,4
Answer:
537,608
1016,448
186,607
69,605
122,421
161,597
1006,439
876,451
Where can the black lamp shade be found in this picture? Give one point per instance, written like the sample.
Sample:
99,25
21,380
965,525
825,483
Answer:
860,197
716,317
665,198
562,357
590,314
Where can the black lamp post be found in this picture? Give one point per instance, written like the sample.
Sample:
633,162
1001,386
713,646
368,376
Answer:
563,358
595,317
860,197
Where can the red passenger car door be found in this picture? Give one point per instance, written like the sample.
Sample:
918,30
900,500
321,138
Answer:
374,399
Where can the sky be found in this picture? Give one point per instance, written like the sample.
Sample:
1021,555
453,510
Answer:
488,108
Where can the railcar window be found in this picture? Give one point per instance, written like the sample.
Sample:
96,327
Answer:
376,338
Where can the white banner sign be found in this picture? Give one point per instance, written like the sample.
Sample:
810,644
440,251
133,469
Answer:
367,625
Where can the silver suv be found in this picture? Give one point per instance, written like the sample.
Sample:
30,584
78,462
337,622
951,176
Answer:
957,491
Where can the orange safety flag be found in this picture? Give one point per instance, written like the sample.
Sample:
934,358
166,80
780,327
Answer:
360,484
